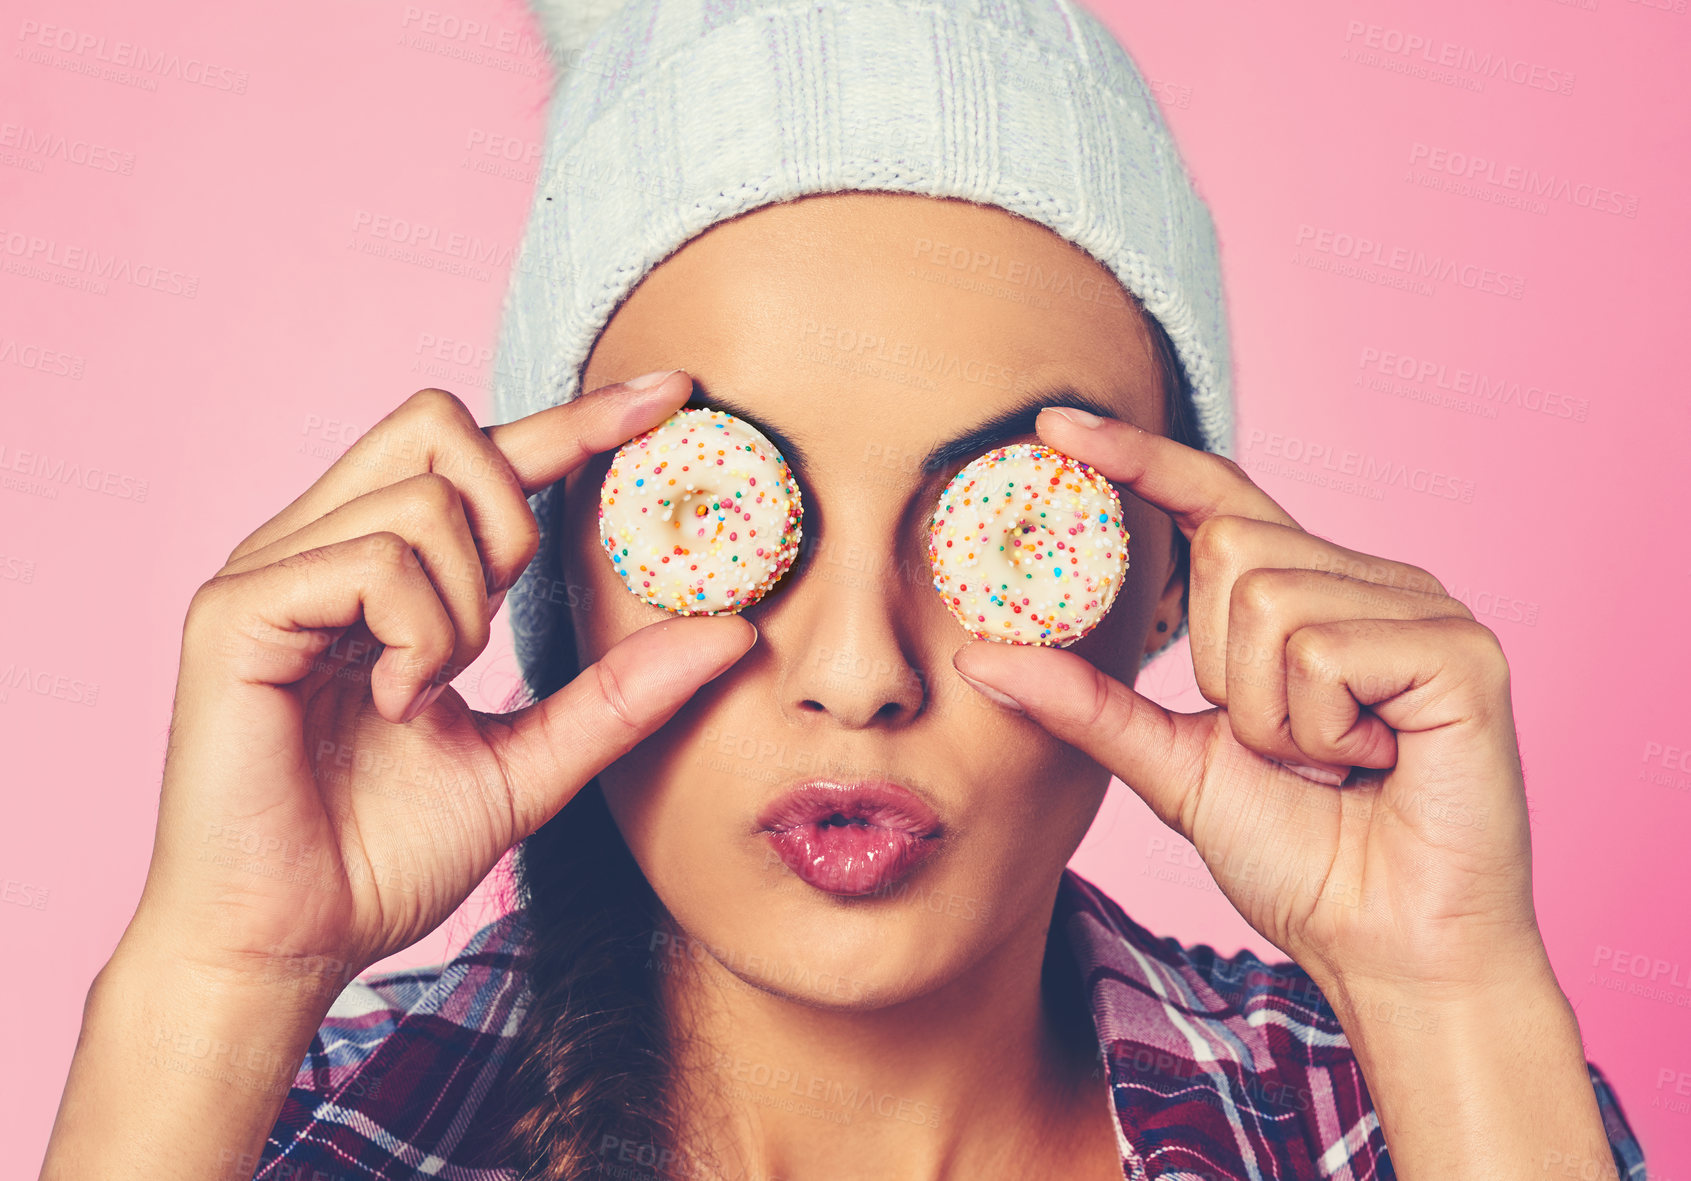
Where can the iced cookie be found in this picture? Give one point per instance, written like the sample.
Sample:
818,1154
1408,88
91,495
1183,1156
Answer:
1027,546
700,515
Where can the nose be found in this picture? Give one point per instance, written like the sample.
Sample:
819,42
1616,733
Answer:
847,632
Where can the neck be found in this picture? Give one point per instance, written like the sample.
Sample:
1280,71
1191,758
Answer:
964,1081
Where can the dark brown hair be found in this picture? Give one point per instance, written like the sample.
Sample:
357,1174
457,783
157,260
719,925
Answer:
592,1050
591,1086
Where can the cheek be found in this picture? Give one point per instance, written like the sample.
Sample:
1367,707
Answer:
1043,794
653,793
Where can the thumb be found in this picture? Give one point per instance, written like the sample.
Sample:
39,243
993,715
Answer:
553,747
1157,753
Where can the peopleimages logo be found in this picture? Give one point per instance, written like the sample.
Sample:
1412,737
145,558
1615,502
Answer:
1515,178
1411,262
472,31
1331,461
45,474
1377,366
435,239
37,144
513,51
45,683
147,64
26,254
41,360
1452,55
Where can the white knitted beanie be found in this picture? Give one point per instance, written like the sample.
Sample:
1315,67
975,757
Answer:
672,115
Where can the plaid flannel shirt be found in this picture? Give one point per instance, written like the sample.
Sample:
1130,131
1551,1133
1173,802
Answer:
1220,1069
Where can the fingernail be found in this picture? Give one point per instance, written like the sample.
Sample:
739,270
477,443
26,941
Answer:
647,380
1316,774
424,699
1079,417
993,695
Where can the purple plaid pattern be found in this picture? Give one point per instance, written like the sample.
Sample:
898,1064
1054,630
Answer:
1220,1069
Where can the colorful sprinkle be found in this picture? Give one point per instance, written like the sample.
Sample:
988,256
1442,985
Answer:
1009,537
710,502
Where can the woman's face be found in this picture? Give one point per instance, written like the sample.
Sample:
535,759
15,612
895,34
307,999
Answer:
867,328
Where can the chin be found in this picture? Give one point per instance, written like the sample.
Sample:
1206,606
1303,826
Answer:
780,936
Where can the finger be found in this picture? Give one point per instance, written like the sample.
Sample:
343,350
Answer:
1414,675
271,626
1191,486
427,510
1154,751
1267,608
546,446
551,748
431,431
1225,548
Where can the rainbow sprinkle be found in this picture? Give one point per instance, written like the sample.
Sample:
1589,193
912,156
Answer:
700,515
1027,546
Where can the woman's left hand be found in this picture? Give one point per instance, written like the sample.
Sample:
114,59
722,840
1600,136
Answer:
1413,877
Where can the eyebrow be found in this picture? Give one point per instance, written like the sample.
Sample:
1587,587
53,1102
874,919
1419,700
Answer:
1010,423
702,399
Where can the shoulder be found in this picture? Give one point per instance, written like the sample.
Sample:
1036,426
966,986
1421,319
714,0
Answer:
402,1063
1235,1066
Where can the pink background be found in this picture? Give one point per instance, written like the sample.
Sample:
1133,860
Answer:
1565,535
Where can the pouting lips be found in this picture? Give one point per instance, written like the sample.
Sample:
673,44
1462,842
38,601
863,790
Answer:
851,839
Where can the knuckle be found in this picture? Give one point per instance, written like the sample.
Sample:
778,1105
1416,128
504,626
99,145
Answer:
1309,655
1102,703
1232,469
614,698
431,403
432,496
1489,660
385,547
384,556
1216,540
1256,594
428,649
209,602
210,591
1459,609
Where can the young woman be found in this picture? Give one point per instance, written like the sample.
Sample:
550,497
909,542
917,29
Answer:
671,999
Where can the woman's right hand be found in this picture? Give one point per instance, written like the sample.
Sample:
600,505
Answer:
305,825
